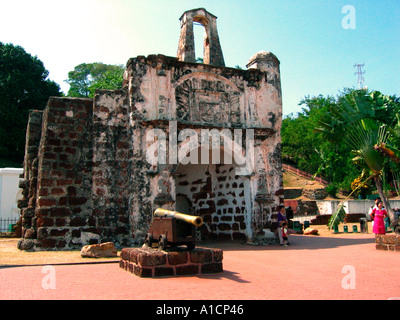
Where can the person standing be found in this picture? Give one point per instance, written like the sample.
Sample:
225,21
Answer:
378,215
282,226
375,206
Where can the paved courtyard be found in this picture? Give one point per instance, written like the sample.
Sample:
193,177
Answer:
343,267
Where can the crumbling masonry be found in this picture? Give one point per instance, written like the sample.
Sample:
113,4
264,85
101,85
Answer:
96,169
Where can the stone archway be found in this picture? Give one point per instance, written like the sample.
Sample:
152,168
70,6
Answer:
219,196
212,47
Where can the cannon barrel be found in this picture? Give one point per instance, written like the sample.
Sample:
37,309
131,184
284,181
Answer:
194,220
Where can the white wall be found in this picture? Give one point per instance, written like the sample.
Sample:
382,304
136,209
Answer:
327,207
10,192
351,206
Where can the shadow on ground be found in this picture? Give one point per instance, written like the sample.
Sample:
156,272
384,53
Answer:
297,242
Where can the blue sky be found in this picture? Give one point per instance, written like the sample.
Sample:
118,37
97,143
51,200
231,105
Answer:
317,54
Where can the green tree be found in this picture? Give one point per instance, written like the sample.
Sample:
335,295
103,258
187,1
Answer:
307,149
87,77
364,122
24,85
111,79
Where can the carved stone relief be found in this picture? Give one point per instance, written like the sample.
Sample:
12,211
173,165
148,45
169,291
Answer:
208,101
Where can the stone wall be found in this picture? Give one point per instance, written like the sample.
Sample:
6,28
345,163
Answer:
59,180
111,162
203,97
302,207
76,181
217,195
388,242
315,194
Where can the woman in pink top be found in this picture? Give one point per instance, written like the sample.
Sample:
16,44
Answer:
379,215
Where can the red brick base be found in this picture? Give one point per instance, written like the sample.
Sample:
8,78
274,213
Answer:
149,262
389,242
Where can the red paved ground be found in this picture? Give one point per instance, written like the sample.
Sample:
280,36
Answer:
311,268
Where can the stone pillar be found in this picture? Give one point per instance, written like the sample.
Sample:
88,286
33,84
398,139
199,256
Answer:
112,154
60,178
29,183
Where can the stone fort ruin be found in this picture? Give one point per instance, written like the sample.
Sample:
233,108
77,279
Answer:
201,139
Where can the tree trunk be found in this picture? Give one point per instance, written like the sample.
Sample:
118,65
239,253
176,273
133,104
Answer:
386,203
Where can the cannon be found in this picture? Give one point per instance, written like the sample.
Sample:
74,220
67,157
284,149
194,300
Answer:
171,228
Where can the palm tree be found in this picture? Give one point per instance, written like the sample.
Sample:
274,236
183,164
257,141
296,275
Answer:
354,122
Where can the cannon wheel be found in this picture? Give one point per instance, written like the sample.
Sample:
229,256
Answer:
149,240
162,242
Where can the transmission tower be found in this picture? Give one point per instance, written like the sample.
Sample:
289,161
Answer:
360,74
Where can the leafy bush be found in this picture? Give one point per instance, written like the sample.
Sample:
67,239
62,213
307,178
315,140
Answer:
332,189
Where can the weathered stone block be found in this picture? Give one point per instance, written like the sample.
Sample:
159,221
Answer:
187,270
103,250
390,239
30,234
150,259
387,242
25,244
125,252
163,271
200,255
61,244
177,257
218,254
59,212
142,272
133,256
46,202
44,222
378,239
77,222
48,243
58,232
42,233
149,262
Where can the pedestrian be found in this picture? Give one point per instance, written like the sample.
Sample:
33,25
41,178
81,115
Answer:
282,226
375,206
378,215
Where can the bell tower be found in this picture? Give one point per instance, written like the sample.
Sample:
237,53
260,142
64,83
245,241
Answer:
212,47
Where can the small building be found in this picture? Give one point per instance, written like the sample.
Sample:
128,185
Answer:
10,194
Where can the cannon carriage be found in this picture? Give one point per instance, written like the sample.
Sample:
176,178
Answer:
171,228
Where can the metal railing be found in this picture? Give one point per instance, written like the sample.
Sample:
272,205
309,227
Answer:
7,223
304,174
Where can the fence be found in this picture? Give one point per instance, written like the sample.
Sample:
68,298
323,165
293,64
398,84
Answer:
304,174
5,224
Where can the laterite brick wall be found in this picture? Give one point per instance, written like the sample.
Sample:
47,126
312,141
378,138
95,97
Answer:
389,242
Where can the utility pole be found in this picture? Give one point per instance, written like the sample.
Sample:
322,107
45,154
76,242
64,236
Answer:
360,73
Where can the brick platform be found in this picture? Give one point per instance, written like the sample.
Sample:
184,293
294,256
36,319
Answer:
389,242
149,262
